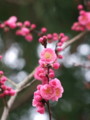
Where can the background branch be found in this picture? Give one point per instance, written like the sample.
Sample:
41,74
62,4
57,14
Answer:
74,39
12,99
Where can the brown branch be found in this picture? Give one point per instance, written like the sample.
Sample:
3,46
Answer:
26,80
82,65
7,109
49,111
74,39
12,99
11,82
27,85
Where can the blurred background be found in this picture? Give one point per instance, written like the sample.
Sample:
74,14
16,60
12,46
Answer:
21,57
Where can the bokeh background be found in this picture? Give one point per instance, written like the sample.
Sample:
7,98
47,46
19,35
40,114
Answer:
21,57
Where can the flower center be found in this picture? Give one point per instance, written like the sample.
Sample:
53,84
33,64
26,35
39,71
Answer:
48,91
88,24
57,91
84,18
48,55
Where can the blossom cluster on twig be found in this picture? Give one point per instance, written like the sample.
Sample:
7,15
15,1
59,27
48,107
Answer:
51,87
4,89
83,22
25,29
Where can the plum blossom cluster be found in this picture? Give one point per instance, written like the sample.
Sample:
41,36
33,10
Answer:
25,29
83,22
4,90
53,90
60,38
51,87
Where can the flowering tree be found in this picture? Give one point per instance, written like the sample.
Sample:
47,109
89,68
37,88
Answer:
50,87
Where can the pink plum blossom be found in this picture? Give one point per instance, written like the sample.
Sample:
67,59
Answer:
48,55
46,92
40,73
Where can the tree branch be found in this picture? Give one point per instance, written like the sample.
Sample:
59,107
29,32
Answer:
12,99
74,39
27,85
13,83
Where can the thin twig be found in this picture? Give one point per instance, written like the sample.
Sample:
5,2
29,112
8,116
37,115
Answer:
48,106
5,102
26,80
13,83
80,35
82,65
27,85
12,99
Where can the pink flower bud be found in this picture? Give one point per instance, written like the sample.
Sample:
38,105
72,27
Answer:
6,92
0,57
27,23
33,26
60,56
12,92
51,75
59,44
56,65
3,78
82,12
44,30
41,39
41,110
2,25
61,34
19,24
29,38
59,49
80,7
1,72
49,36
64,39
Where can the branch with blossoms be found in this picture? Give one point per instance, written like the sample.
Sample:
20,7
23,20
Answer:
50,88
25,81
83,22
25,29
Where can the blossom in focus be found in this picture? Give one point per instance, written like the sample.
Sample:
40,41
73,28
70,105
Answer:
48,56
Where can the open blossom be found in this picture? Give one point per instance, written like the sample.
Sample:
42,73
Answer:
84,19
52,91
11,22
47,92
58,89
48,56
